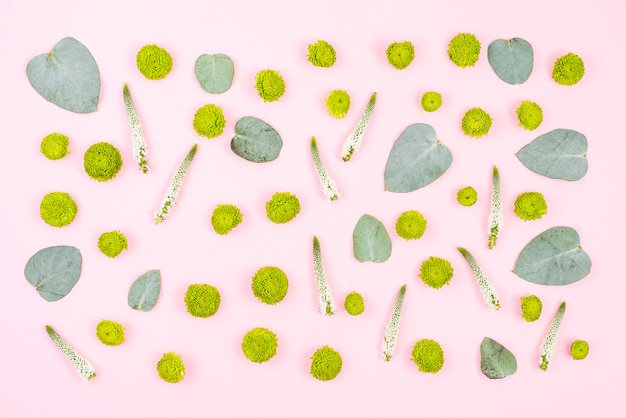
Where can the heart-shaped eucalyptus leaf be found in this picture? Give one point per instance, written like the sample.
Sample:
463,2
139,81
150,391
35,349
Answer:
214,72
370,240
54,271
144,292
511,59
255,140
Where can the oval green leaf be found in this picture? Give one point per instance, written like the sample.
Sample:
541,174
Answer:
558,154
67,76
416,159
496,362
370,240
554,258
214,72
512,59
144,292
54,271
255,140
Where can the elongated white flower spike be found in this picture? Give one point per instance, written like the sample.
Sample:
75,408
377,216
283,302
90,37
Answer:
391,330
487,289
140,150
175,185
547,348
328,184
496,216
327,304
353,142
82,366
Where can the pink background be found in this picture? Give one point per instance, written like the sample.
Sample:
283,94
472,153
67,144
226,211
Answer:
37,381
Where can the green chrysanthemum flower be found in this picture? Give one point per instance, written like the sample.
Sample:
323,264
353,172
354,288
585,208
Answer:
530,206
270,285
428,356
464,50
529,115
225,218
338,103
259,345
102,161
154,62
58,209
467,196
270,85
282,207
322,54
436,272
202,300
110,332
326,364
171,367
209,121
531,308
476,122
354,304
400,54
112,243
579,349
55,146
568,69
411,225
431,101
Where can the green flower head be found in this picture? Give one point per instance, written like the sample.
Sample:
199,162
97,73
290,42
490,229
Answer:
467,196
529,115
102,161
436,272
110,332
476,122
58,209
568,69
225,218
354,304
400,54
322,54
209,121
270,285
531,308
55,146
411,225
270,85
530,206
428,356
579,349
282,207
154,62
431,101
326,364
259,345
112,243
338,103
171,368
202,300
464,50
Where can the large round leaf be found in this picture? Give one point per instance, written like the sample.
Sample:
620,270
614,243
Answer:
496,362
214,72
67,76
370,240
144,292
553,257
417,158
255,140
54,271
511,59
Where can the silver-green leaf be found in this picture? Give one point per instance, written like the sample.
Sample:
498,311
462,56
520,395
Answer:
553,257
54,271
511,59
417,158
370,240
255,140
496,362
214,72
558,154
144,292
67,76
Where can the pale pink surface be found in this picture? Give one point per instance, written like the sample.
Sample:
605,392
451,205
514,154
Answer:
38,382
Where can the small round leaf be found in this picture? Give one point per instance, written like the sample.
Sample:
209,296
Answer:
512,59
255,140
54,271
496,362
370,240
214,72
144,292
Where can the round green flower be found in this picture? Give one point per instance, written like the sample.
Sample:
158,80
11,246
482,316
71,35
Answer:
431,101
568,69
209,121
530,206
202,300
476,122
322,54
464,50
400,54
326,364
58,209
282,207
436,272
531,308
171,367
112,243
154,62
225,218
354,304
270,85
529,115
259,345
428,356
411,225
110,332
55,146
467,196
579,349
338,103
102,161
270,285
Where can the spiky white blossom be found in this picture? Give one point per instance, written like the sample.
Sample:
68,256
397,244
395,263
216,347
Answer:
353,142
486,288
175,185
496,216
391,330
82,366
140,150
327,304
328,184
547,348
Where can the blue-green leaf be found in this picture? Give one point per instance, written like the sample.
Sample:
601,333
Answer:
370,240
214,72
54,271
144,292
67,76
511,59
496,362
417,158
255,140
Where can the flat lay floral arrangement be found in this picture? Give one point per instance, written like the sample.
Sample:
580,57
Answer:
68,77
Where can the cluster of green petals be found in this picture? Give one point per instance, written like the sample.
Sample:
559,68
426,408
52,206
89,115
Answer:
436,272
202,300
464,50
154,62
58,209
400,54
112,243
270,285
529,115
476,122
568,69
531,308
209,121
354,303
259,345
326,364
467,196
282,207
579,349
530,206
102,161
270,85
322,54
55,146
431,101
428,356
411,225
338,103
225,218
110,332
171,367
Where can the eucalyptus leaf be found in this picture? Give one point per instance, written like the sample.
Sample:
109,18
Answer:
67,76
144,292
370,240
511,59
553,257
214,72
417,158
496,362
558,154
255,140
54,271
